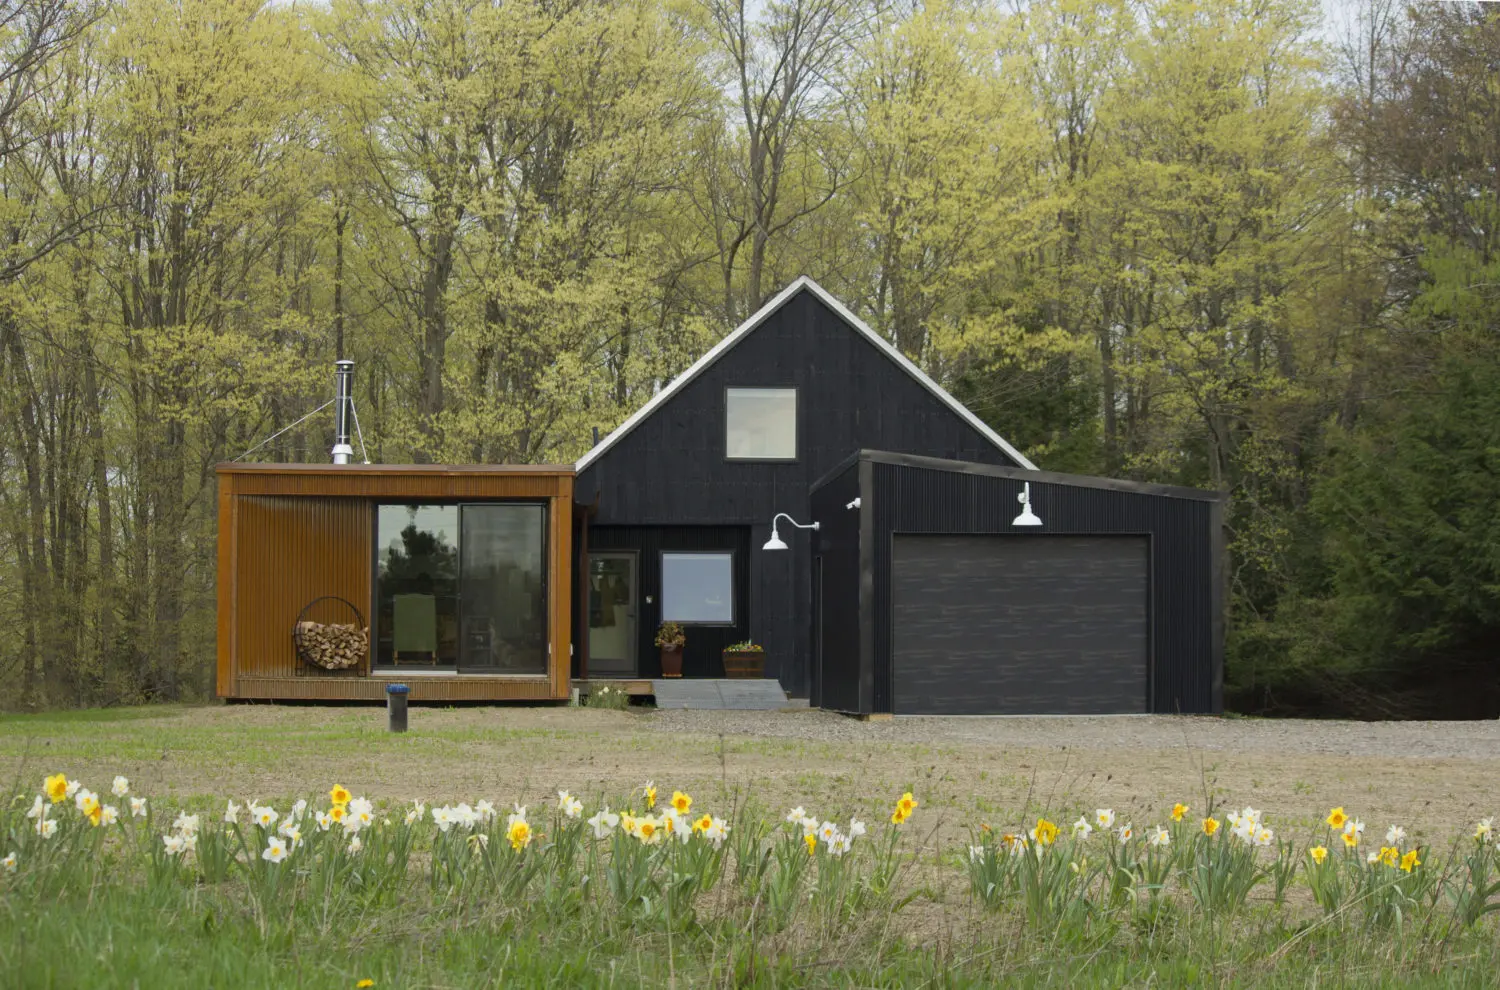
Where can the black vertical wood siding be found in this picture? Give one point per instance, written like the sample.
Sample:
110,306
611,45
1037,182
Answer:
1187,650
837,683
703,654
670,470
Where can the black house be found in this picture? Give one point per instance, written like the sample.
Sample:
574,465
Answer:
676,505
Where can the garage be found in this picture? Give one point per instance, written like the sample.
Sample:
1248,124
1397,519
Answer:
1019,624
954,588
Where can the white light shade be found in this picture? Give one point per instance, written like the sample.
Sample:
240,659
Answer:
1027,517
774,543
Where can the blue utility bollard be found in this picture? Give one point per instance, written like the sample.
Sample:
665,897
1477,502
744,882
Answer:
395,706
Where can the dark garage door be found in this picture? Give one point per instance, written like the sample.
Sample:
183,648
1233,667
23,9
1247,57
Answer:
1016,625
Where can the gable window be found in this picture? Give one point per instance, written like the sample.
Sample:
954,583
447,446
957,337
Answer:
698,588
761,424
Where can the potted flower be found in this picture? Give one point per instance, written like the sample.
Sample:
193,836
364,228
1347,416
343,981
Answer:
671,638
745,659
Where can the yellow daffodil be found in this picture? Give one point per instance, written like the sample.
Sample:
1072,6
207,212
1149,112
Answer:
56,788
1318,854
1045,832
646,829
703,824
1351,839
339,795
1336,818
337,812
1210,826
812,842
898,816
1410,861
1388,855
681,802
519,834
1178,810
907,804
364,983
649,793
1482,830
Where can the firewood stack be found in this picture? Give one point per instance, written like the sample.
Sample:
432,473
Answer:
332,645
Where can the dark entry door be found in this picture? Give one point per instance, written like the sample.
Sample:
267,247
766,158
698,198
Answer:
613,612
1017,625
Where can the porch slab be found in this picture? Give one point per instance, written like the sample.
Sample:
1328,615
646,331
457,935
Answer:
719,694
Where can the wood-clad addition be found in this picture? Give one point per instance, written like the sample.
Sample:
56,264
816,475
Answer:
291,533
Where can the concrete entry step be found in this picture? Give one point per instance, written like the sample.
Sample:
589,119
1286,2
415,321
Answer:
713,693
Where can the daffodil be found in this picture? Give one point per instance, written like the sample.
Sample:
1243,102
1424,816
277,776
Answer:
572,807
1351,839
1263,837
338,813
120,787
1178,810
86,801
1082,829
603,823
702,823
484,810
231,813
718,831
39,808
897,816
175,844
907,804
186,824
298,810
1105,818
796,815
324,820
265,816
1125,833
1044,833
339,795
137,807
1210,826
1159,837
1318,854
1410,861
416,812
108,815
275,850
856,828
828,831
1483,829
1389,855
649,793
681,802
46,827
518,832
1395,835
812,843
362,984
9,862
1336,818
56,788
478,842
648,830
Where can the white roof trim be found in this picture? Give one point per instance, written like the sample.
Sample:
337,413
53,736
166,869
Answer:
780,299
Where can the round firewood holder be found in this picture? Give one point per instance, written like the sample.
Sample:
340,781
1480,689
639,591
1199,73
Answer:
328,610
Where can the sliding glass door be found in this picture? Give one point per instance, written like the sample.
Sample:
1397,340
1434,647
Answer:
462,587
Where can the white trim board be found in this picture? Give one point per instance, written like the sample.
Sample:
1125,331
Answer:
780,299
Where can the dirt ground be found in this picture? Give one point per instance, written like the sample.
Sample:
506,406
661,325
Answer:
1433,778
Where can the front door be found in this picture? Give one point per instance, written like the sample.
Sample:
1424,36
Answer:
612,613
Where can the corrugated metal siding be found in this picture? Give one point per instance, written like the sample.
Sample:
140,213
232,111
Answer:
671,470
1185,659
837,683
292,549
703,654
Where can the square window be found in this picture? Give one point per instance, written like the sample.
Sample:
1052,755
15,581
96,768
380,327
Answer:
761,424
698,588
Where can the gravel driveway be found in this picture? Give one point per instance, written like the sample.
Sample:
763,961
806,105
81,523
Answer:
1292,737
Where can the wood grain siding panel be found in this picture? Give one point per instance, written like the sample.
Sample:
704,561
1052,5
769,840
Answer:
422,688
288,551
1018,625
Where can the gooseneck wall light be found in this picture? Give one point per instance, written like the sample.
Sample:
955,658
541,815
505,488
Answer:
776,542
1027,517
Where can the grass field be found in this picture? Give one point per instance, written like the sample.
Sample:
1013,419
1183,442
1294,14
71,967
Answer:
112,911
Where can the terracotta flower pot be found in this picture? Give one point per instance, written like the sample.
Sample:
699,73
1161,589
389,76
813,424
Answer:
671,661
744,663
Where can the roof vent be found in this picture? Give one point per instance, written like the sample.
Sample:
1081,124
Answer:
343,408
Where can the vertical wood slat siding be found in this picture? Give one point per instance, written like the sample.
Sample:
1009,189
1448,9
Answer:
670,470
1186,659
289,550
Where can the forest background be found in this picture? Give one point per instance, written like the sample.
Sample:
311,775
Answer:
1217,243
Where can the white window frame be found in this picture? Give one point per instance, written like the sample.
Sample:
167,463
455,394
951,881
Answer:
796,423
666,604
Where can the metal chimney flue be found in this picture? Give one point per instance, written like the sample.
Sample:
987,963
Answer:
344,380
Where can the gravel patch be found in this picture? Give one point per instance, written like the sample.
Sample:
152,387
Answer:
1299,737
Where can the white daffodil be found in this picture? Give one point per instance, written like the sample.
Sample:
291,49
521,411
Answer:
1159,837
325,821
1372,858
416,812
86,800
572,808
1082,829
137,807
827,832
1125,833
1251,814
38,808
72,788
809,826
186,824
484,811
856,828
1355,827
9,863
120,788
796,815
1395,835
1481,831
175,844
275,850
976,853
1105,817
231,813
189,840
109,814
442,818
287,828
1264,836
355,845
45,827
265,816
603,823
717,831
839,845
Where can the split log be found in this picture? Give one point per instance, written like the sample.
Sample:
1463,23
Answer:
332,645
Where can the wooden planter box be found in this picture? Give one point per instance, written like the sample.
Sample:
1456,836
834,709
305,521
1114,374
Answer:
744,663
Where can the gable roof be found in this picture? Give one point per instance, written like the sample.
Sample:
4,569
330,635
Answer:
718,350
